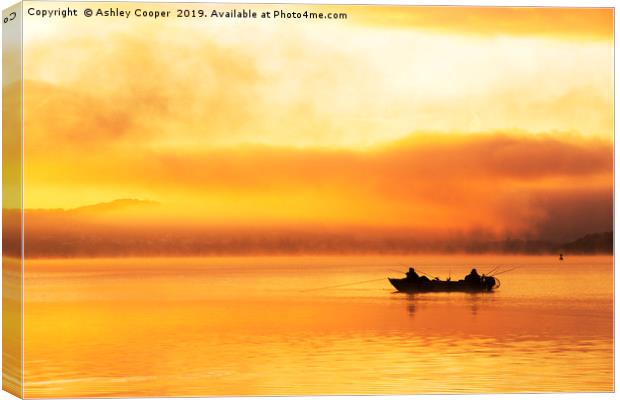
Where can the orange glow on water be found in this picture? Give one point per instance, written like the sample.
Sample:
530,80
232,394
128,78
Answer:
250,326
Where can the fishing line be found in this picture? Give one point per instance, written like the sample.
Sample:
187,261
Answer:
343,285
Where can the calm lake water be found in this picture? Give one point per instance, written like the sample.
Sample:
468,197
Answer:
277,326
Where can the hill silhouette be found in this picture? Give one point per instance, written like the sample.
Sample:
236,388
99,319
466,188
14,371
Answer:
592,243
114,205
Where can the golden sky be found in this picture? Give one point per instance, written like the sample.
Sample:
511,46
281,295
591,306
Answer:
435,118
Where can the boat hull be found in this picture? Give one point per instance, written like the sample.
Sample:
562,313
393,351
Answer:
408,286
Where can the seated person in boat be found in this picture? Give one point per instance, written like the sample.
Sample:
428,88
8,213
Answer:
413,276
473,277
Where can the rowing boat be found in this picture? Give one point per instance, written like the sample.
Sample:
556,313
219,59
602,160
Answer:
485,284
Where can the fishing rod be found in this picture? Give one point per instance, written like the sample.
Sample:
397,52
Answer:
491,271
506,270
424,273
343,285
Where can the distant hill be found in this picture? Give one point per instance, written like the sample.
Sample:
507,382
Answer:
592,243
114,205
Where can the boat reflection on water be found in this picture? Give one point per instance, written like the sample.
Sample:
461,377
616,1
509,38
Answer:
472,301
